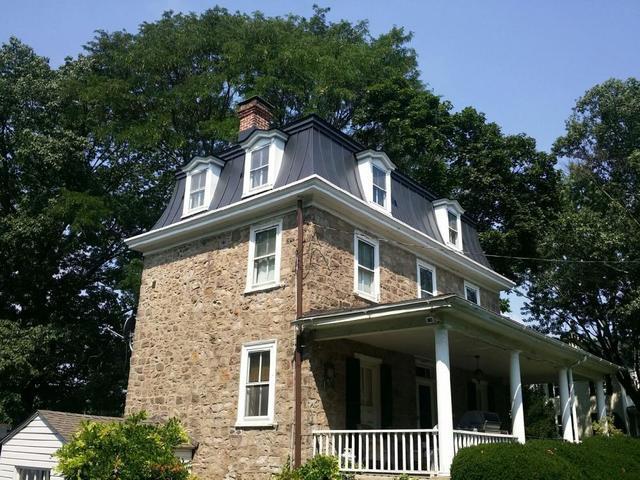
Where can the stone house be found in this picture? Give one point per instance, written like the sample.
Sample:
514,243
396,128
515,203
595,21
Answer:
300,295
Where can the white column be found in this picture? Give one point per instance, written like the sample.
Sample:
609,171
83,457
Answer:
574,409
601,403
565,405
517,409
443,396
624,405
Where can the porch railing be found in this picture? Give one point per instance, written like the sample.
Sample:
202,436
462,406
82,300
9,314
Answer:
380,451
465,438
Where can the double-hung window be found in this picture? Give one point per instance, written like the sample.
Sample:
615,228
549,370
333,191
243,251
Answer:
453,227
426,280
472,293
259,168
33,474
379,186
257,384
366,267
264,256
197,190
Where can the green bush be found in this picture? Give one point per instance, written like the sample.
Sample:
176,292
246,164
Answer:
320,467
597,458
130,450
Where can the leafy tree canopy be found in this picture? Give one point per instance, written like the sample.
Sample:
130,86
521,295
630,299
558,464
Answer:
591,294
88,154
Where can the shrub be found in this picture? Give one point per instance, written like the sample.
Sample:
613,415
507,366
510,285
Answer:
539,415
320,467
128,450
596,458
606,427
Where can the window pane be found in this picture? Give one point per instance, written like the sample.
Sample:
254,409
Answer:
264,270
260,158
365,281
254,367
198,181
366,255
259,177
426,281
264,371
453,221
366,386
257,401
266,242
196,199
453,236
379,178
472,294
379,196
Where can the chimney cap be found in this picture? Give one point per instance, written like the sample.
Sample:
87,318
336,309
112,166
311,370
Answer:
257,99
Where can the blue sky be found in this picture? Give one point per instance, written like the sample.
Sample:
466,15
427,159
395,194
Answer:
522,63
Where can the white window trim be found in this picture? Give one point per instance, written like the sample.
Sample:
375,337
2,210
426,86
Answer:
458,243
275,140
375,297
250,287
422,264
366,161
472,287
269,419
442,208
213,167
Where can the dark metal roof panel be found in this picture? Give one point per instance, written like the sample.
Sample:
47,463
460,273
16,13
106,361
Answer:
229,188
471,243
336,163
173,212
297,161
413,208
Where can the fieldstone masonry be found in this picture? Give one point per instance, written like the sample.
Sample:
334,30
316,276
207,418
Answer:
194,316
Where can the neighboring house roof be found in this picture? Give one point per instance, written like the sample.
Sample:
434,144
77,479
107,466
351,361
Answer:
65,424
316,148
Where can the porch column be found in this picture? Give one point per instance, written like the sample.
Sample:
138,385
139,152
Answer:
601,402
625,405
517,410
443,396
574,410
565,406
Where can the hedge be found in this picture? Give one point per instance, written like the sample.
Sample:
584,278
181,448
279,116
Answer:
598,458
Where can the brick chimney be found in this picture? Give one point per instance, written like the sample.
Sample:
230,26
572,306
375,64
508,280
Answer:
254,113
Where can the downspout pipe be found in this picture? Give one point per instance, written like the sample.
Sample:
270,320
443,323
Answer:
297,447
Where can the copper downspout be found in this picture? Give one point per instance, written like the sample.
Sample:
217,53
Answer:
297,449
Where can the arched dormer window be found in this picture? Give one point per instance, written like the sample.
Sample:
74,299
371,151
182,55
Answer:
202,177
263,155
448,217
375,174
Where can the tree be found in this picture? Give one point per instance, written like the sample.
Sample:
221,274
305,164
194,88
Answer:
589,294
133,449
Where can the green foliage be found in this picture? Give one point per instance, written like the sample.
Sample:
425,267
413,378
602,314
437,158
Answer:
320,467
606,427
591,295
539,415
595,458
128,450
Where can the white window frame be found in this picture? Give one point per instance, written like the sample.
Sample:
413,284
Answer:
357,237
442,209
36,469
259,421
427,266
213,167
458,242
472,286
250,286
366,161
275,141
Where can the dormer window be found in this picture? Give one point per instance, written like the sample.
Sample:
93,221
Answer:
263,155
202,177
448,218
375,174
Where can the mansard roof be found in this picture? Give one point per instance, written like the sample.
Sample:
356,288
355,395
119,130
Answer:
316,148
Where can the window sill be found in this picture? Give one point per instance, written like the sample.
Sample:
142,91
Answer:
255,191
380,208
255,424
263,288
367,296
204,208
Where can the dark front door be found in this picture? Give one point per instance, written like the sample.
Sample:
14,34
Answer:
425,413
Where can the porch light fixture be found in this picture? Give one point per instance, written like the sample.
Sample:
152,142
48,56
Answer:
478,374
329,376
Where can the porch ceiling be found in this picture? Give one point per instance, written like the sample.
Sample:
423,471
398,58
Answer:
408,327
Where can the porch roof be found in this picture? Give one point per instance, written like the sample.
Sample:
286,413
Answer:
472,324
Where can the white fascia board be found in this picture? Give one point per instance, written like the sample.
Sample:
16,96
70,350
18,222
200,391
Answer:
202,161
347,204
375,155
257,135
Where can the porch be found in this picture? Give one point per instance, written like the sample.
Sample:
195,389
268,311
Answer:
465,360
